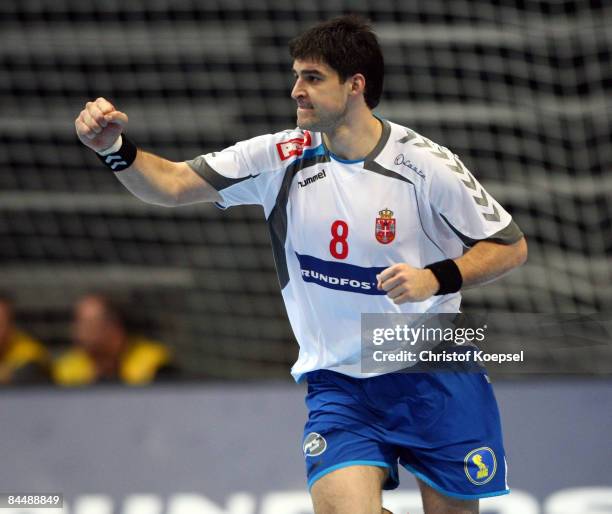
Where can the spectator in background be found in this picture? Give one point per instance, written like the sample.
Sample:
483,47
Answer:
22,358
104,350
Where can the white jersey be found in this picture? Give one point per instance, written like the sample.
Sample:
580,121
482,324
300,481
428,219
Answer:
336,224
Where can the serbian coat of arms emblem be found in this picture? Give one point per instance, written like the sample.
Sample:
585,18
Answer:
385,227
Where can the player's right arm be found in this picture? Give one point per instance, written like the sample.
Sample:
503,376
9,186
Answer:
151,178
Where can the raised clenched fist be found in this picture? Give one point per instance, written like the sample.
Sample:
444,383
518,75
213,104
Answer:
99,124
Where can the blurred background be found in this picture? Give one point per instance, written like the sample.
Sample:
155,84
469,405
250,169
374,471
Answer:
520,90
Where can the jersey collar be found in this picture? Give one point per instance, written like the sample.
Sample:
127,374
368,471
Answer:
384,137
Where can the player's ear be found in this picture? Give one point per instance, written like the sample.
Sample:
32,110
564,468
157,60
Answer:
357,83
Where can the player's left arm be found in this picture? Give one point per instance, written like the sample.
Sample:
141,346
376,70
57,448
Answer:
483,263
487,261
495,245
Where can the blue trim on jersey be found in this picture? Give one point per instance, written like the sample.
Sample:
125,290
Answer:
345,161
377,463
312,152
339,275
435,486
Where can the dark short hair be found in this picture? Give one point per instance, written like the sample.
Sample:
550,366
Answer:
349,46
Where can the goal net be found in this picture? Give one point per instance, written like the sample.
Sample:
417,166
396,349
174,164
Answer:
520,90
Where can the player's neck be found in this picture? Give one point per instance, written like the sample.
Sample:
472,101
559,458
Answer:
356,138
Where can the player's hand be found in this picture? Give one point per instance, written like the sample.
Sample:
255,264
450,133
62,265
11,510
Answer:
99,125
403,283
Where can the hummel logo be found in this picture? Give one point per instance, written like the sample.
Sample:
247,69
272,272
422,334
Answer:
310,180
111,158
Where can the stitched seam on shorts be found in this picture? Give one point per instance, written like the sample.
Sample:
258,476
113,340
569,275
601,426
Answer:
461,496
345,464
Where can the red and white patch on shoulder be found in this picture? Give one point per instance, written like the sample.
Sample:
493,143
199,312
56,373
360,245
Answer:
293,147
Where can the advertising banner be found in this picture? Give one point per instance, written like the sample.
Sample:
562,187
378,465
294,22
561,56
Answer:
237,449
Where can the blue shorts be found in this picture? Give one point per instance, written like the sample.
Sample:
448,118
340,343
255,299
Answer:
442,427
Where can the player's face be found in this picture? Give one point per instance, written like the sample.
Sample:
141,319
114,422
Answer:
322,99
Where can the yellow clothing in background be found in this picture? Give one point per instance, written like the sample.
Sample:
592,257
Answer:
22,350
138,364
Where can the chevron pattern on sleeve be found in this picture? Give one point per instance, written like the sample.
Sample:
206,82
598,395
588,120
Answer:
452,161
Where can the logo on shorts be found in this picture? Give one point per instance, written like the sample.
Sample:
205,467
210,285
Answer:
480,465
314,444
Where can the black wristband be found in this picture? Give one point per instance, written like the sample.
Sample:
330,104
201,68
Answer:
122,158
448,275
